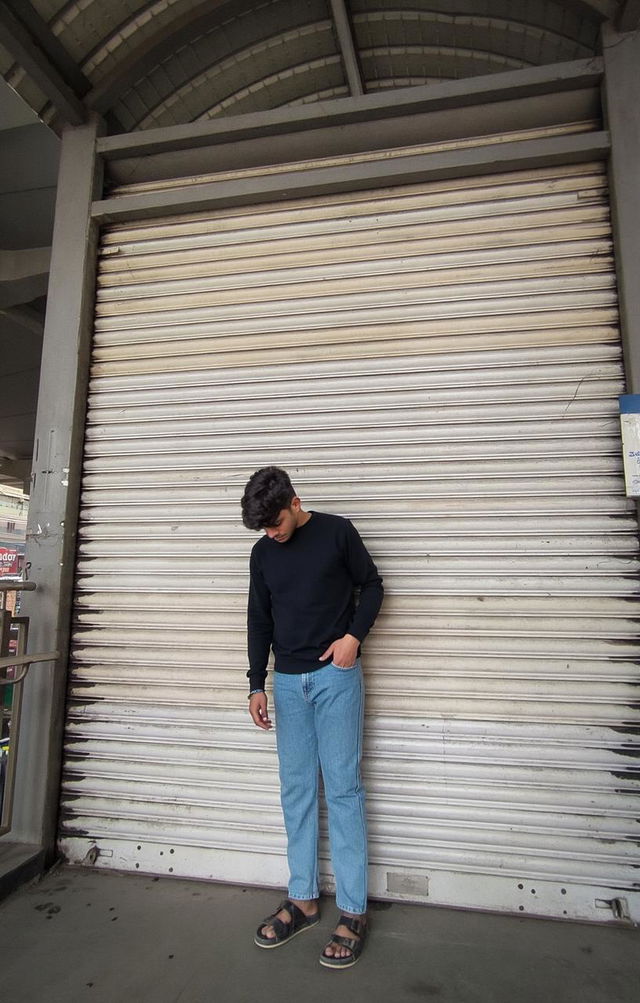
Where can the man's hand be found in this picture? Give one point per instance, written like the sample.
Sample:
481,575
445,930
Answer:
343,652
258,711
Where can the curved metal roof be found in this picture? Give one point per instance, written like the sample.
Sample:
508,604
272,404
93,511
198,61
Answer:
150,63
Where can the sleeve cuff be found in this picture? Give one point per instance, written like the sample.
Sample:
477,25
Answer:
256,682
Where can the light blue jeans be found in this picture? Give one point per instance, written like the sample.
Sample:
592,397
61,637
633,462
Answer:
319,720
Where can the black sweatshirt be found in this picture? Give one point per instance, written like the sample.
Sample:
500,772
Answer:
301,596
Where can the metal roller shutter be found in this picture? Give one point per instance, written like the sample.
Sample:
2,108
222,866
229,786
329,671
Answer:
441,363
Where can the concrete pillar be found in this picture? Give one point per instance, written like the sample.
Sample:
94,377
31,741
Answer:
55,485
621,53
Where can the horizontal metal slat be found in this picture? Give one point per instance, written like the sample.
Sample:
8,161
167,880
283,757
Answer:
397,617
531,546
566,175
549,417
488,366
481,197
191,397
401,306
234,602
415,472
164,472
432,801
398,403
539,331
419,743
219,669
516,232
405,272
368,257
492,824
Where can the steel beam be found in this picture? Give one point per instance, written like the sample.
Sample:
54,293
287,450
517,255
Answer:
512,85
53,49
15,472
141,59
24,263
25,317
353,177
24,275
55,483
344,33
19,42
622,109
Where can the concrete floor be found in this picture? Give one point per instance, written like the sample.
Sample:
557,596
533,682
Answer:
79,936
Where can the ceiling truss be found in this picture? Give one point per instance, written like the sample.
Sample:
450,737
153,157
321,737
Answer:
32,46
72,95
344,34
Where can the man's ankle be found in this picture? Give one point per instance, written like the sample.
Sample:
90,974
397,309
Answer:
306,905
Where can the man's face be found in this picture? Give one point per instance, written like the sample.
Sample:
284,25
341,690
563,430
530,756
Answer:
286,523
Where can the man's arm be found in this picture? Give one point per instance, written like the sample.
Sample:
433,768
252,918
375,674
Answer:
259,637
364,573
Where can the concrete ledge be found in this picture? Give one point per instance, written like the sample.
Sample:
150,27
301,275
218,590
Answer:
19,863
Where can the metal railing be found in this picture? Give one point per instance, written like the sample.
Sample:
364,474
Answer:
14,666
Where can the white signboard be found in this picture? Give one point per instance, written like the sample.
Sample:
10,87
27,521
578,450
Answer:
630,424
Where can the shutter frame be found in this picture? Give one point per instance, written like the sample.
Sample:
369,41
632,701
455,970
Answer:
501,677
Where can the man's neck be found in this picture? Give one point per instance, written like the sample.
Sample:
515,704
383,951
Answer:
303,518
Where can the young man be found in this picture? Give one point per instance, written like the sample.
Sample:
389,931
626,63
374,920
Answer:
304,571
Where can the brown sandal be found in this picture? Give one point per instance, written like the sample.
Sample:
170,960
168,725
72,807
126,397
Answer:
355,944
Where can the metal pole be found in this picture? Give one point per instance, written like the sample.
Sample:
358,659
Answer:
621,54
51,528
347,46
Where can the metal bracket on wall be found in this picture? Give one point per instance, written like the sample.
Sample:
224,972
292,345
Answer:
619,907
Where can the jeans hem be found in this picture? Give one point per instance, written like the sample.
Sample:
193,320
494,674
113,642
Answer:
355,912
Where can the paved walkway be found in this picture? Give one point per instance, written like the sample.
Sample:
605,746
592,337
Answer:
97,937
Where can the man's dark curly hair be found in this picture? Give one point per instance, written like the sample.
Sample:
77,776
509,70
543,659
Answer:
268,491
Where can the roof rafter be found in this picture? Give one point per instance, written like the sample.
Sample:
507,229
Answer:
144,57
511,85
26,317
15,472
344,33
25,13
28,48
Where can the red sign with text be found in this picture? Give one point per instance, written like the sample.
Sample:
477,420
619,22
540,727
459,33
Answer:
8,561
